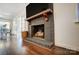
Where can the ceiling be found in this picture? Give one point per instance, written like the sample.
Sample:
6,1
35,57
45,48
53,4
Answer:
9,9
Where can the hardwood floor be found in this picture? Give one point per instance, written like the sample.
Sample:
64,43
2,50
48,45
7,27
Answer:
36,49
14,47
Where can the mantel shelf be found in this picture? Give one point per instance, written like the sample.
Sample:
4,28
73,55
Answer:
39,14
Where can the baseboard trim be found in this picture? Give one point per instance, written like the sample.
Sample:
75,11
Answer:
67,48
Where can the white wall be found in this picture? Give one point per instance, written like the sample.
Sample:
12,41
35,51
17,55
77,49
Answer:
66,30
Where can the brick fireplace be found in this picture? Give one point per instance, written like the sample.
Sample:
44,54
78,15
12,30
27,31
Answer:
41,28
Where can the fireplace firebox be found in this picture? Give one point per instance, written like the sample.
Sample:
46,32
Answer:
38,31
41,27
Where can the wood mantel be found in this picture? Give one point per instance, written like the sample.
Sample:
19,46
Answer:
39,14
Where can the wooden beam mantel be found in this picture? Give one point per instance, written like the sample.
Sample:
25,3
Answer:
39,14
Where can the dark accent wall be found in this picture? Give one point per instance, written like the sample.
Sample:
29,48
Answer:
34,8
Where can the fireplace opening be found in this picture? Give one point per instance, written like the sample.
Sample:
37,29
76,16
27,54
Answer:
38,31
